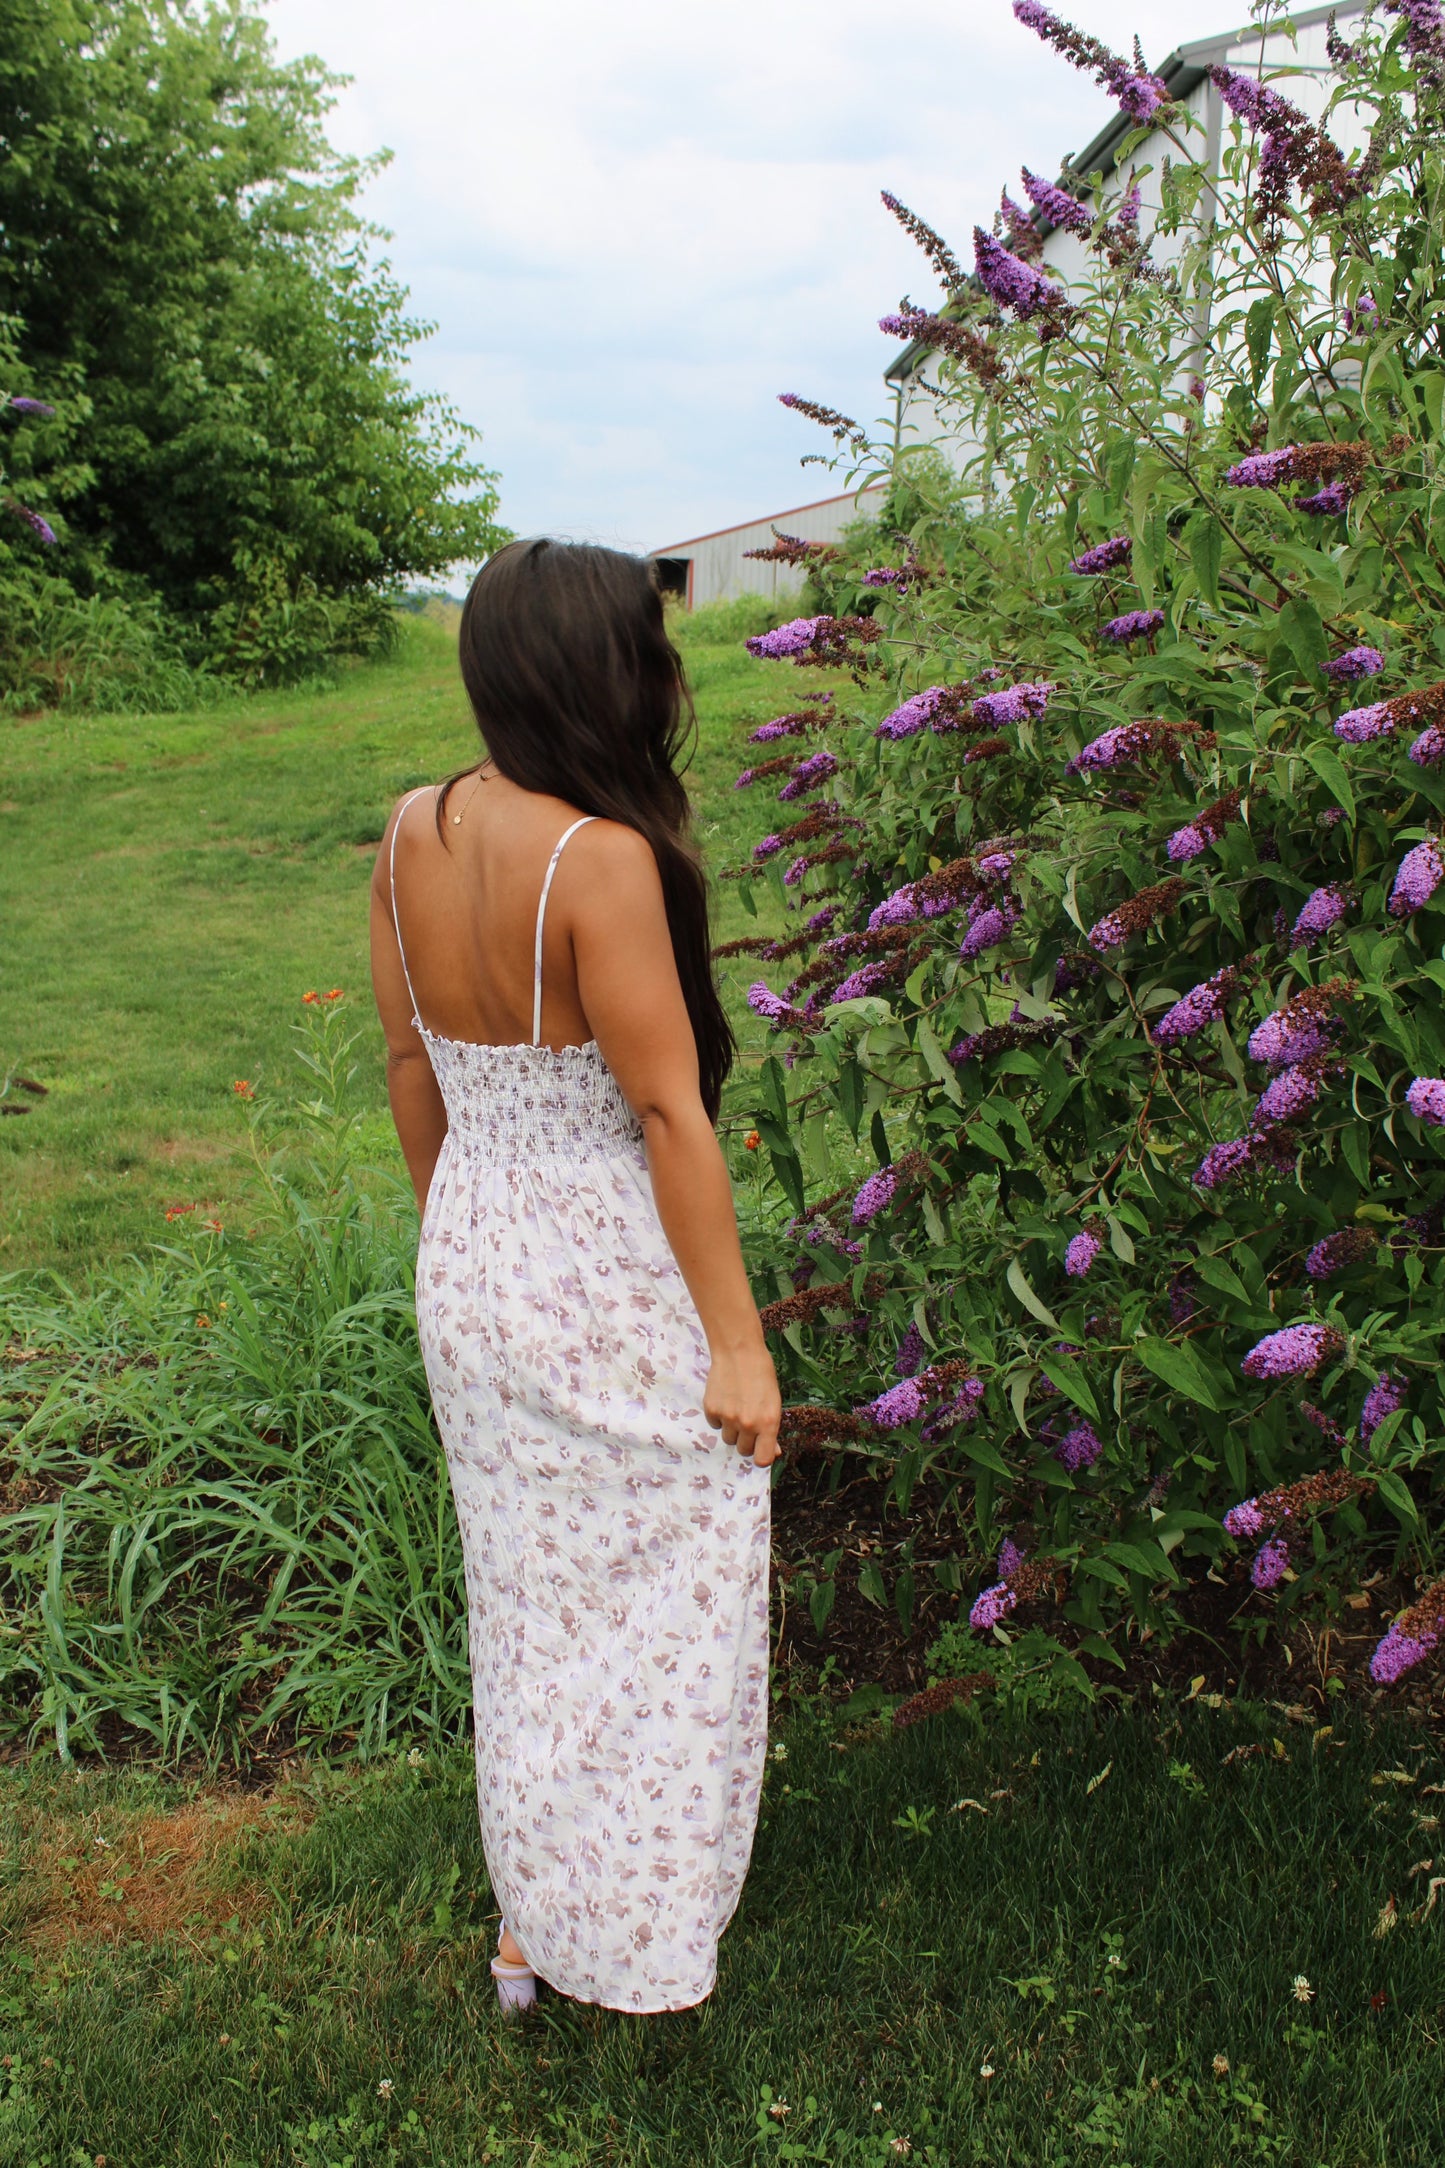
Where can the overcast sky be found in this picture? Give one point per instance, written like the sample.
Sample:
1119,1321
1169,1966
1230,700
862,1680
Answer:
635,225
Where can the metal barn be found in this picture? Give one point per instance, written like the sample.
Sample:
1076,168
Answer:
715,567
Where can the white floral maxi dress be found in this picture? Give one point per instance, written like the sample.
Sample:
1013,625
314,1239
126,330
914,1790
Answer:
615,1548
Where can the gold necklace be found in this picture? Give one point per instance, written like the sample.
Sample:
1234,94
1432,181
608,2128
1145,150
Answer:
457,817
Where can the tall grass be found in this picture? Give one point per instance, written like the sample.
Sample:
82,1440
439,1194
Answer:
228,1517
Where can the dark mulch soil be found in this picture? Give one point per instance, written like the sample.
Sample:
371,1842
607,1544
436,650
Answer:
1234,1641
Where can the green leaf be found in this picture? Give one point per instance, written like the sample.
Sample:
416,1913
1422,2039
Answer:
1205,537
985,1455
1070,1382
1303,634
1018,1280
1179,1367
1330,769
1258,330
850,1093
1145,1558
775,1090
938,1062
1396,1497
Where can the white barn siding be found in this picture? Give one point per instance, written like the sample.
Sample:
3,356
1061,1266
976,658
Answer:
717,567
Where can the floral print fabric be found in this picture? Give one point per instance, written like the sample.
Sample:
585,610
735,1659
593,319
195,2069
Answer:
615,1549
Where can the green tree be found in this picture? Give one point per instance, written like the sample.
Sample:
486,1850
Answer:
192,283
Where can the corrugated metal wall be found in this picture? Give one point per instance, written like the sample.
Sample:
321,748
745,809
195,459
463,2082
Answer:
718,569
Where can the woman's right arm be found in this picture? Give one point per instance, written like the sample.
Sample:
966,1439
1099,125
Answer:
632,998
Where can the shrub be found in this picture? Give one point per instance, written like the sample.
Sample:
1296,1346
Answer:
1129,969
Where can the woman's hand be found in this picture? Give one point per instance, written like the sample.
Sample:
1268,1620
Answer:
743,1401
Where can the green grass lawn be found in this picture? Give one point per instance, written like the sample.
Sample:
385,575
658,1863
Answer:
173,884
1034,1945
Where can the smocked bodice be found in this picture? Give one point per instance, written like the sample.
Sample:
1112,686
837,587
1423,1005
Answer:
521,1103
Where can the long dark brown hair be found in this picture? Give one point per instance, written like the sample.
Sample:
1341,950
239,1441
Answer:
578,691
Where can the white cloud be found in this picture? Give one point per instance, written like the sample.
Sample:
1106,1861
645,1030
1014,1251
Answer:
635,225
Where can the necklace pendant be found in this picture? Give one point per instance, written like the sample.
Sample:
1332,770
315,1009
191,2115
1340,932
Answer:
456,820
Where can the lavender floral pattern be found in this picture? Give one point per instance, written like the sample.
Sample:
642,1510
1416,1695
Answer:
616,1551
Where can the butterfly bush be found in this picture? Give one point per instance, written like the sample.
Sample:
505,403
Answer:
1143,919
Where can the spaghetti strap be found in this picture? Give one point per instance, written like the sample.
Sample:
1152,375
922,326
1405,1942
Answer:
396,922
541,912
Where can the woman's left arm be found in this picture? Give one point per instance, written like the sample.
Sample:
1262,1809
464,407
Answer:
417,1107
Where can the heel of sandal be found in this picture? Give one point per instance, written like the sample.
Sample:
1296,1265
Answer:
516,1984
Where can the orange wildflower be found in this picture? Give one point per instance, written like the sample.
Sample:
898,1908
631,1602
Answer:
178,1211
213,1226
335,994
242,1089
313,996
752,1140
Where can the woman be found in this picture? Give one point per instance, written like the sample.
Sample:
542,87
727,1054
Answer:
556,1052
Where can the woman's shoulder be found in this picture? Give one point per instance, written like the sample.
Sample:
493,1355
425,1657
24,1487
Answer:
426,796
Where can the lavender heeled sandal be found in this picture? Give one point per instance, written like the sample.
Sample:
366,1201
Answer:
516,1984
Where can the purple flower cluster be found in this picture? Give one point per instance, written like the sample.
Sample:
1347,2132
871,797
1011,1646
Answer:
764,1002
1364,316
1010,1557
1112,748
1133,625
902,1403
886,576
1333,1252
1284,1039
821,920
1262,470
23,405
1271,1563
1326,503
1079,1448
1296,1352
1358,725
1223,1161
1397,1653
794,638
1354,664
1203,1004
1385,1395
987,926
876,1193
1421,872
1186,843
990,1606
994,710
863,980
815,769
961,1409
915,714
997,866
899,909
1426,1099
1058,207
1287,1095
1134,90
1081,1252
1324,908
1012,283
1428,749
911,1351
38,526
1109,932
1244,1519
1424,28
1104,556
